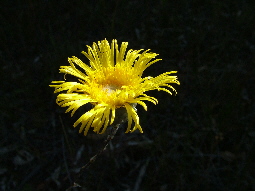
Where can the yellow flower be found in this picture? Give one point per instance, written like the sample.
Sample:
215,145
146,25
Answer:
113,80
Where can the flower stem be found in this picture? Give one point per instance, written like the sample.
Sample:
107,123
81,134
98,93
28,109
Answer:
93,159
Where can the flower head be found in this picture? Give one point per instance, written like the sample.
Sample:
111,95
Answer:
112,81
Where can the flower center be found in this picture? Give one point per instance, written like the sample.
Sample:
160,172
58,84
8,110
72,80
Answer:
109,89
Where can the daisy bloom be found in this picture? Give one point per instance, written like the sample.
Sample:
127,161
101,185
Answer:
111,82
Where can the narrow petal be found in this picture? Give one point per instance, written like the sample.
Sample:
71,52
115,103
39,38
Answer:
105,120
85,119
128,108
112,115
132,115
142,104
98,121
136,120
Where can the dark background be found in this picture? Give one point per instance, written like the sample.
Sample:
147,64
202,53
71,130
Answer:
201,139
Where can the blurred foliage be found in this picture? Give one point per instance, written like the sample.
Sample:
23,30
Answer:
201,139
